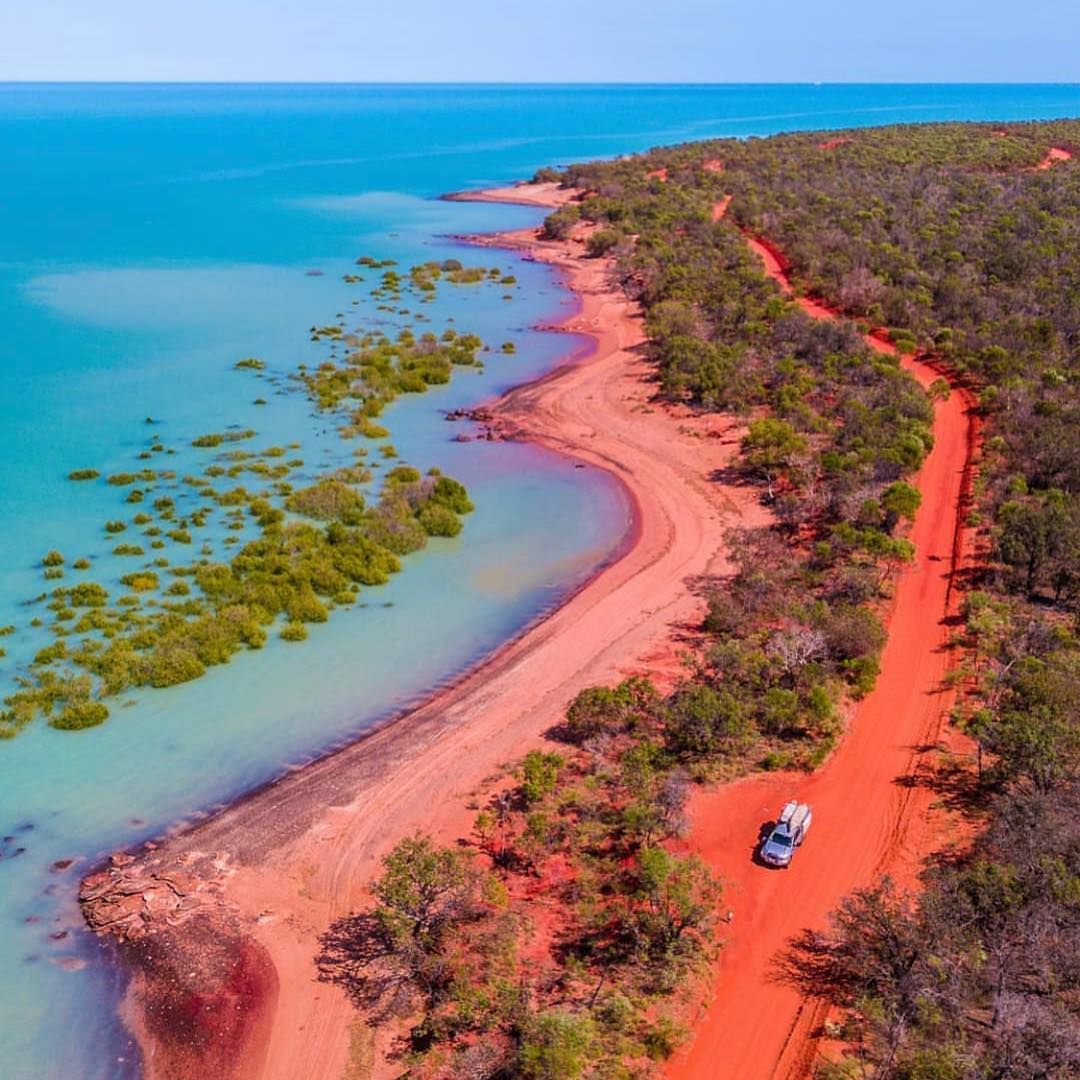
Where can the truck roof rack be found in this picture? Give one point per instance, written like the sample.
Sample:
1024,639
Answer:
794,814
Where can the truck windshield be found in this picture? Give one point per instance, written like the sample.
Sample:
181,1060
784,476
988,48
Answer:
781,839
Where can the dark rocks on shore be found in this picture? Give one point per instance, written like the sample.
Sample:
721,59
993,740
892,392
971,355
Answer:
480,415
490,430
206,989
130,900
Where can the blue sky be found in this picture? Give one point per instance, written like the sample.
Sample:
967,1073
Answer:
550,40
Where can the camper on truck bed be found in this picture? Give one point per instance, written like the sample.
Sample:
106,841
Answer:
788,833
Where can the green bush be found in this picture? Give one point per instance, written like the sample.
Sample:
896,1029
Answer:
439,521
141,581
77,715
451,494
602,243
701,721
328,500
559,224
539,775
171,665
557,1046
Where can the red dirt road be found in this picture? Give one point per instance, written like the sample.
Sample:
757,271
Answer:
871,815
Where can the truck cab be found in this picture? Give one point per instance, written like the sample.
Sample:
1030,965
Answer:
787,834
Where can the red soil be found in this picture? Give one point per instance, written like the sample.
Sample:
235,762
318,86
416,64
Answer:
714,165
660,174
832,144
720,208
1054,155
872,805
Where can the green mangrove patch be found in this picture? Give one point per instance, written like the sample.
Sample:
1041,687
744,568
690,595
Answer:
284,550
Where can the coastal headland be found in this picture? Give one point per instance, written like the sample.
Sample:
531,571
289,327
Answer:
220,923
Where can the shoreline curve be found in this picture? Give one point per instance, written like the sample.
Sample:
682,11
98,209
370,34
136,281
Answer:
259,879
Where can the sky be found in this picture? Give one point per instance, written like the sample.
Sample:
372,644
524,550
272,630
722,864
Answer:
548,41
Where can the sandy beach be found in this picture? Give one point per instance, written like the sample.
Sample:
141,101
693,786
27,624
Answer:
271,873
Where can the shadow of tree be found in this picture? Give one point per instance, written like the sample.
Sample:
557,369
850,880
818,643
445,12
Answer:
353,955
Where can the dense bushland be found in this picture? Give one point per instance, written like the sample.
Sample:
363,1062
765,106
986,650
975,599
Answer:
953,239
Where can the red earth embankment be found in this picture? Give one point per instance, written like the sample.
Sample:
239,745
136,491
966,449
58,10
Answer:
1053,156
871,802
720,208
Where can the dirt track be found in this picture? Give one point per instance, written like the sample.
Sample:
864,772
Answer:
872,807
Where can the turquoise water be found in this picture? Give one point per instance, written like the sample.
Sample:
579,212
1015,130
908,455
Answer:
149,237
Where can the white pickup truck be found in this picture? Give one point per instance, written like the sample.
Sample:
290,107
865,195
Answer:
788,833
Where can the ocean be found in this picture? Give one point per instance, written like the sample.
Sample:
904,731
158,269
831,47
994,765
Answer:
151,236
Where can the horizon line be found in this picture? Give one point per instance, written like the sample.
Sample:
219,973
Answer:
529,82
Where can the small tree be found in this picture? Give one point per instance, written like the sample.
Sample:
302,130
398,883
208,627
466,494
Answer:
559,225
658,797
701,721
385,956
603,710
539,775
900,500
771,447
602,243
673,903
557,1046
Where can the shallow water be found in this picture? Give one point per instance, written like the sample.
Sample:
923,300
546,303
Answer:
150,237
